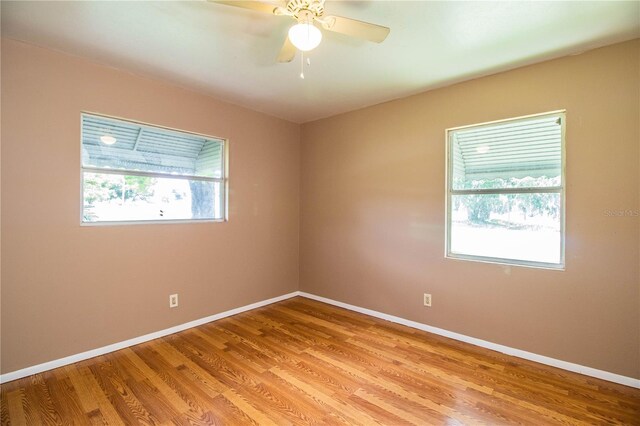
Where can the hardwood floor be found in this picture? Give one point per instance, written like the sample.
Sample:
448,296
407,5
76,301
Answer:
305,362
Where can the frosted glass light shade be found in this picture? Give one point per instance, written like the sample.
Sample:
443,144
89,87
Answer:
305,36
107,139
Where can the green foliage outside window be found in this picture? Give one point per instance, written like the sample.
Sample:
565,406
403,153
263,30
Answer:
480,206
103,187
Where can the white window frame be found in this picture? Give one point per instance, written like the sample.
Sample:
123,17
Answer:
556,189
224,180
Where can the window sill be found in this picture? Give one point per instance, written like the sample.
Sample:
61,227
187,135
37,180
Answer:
507,262
151,222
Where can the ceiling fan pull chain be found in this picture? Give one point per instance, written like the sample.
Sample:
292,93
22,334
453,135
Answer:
302,64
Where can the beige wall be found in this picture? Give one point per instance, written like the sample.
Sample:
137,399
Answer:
371,213
68,289
373,219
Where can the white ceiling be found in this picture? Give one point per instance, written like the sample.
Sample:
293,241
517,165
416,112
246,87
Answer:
230,53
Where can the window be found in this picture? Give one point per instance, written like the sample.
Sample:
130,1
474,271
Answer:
505,191
134,172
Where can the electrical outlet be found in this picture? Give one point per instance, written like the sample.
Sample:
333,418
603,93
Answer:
173,301
427,299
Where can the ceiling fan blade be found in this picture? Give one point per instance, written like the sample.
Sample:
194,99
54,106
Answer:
288,51
252,5
355,28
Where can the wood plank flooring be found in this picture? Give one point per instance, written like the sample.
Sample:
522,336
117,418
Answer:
305,362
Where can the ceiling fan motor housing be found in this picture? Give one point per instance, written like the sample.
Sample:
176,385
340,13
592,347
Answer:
295,7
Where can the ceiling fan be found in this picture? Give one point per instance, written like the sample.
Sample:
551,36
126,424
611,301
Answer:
305,35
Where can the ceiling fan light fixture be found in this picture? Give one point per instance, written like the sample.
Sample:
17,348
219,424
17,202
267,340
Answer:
305,36
107,139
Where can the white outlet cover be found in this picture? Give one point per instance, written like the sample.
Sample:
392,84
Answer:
173,300
427,299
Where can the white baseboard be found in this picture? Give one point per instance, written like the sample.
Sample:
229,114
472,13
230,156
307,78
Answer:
50,365
576,368
588,371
